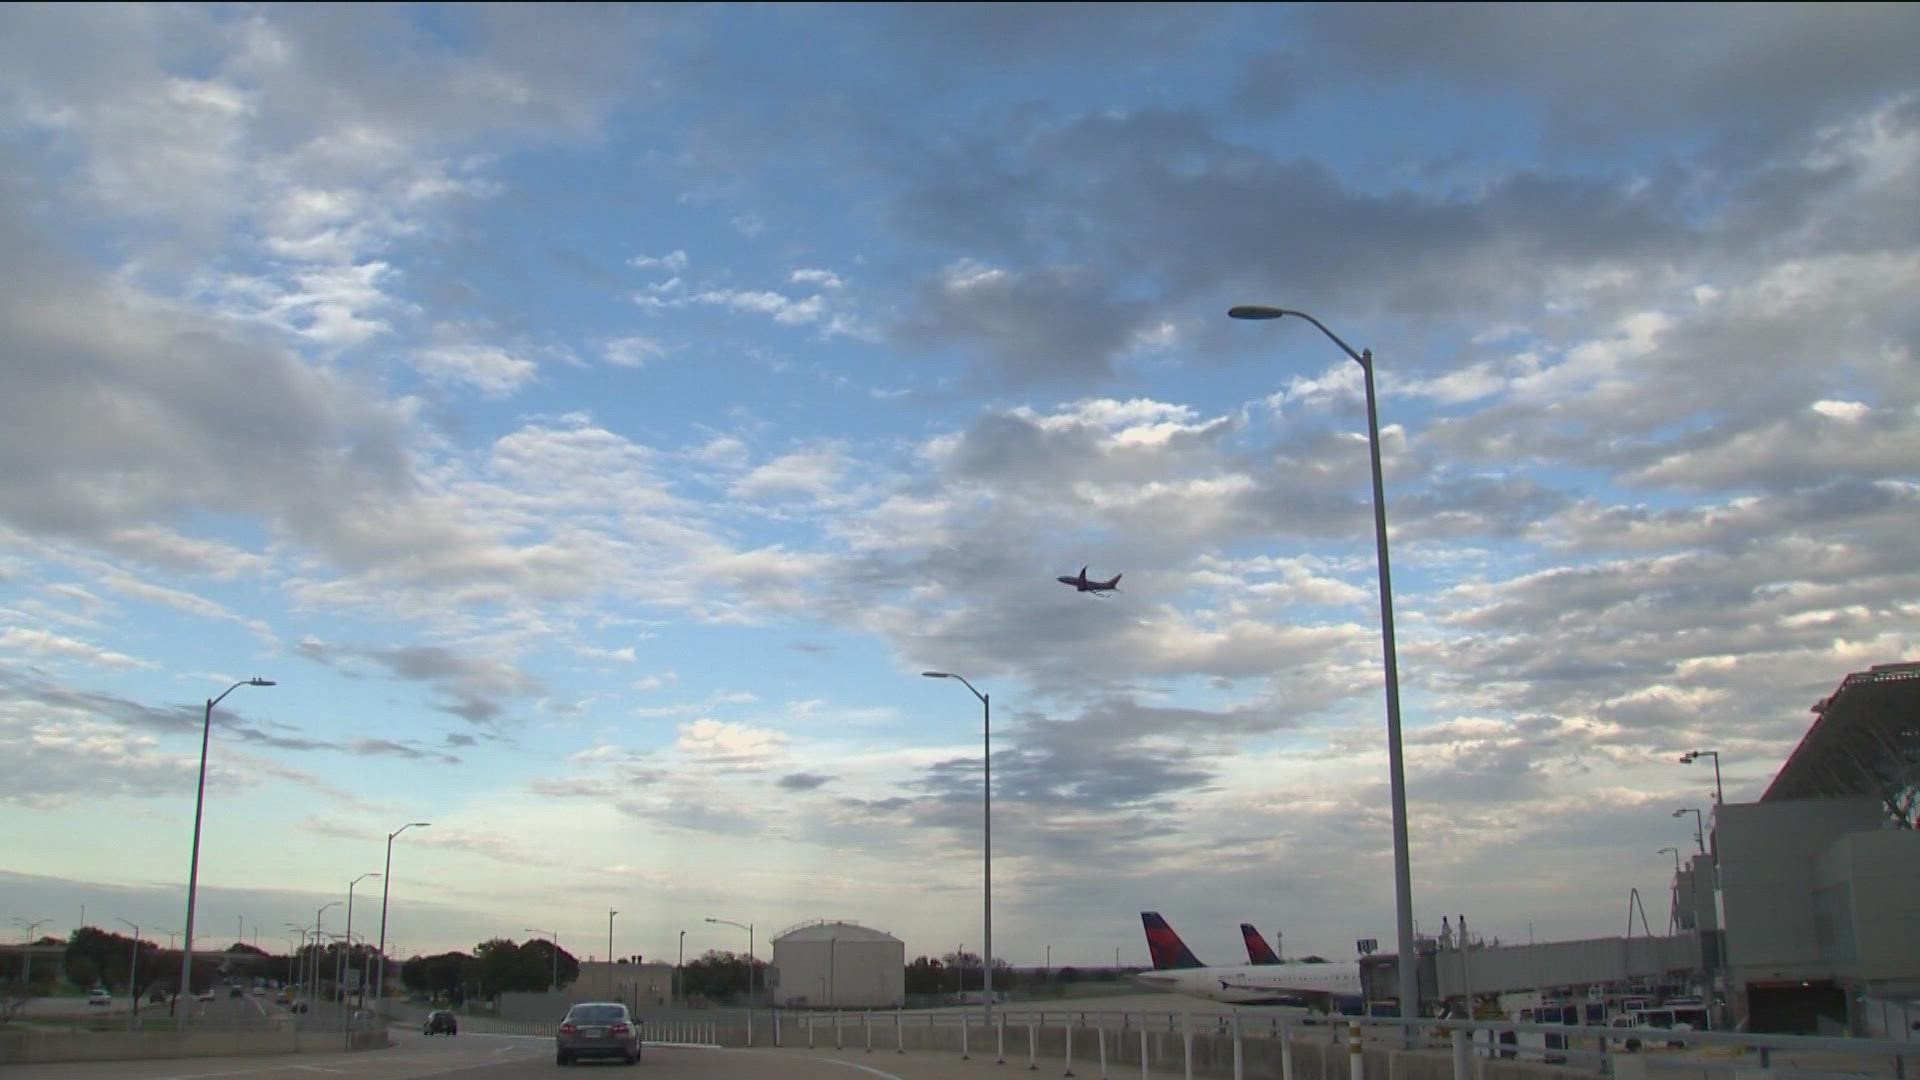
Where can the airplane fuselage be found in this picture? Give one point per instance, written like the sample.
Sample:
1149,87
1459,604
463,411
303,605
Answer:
1319,985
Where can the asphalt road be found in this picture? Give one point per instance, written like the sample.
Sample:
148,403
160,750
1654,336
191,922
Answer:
504,1057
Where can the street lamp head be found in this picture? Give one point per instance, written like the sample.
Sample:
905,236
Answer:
261,682
1678,813
1687,758
1255,311
936,674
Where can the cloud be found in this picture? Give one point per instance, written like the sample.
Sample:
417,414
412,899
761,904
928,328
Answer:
633,352
493,372
42,643
804,781
730,746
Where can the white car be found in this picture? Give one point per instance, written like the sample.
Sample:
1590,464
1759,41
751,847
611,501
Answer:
99,996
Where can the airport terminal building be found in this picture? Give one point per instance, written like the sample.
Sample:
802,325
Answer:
1803,914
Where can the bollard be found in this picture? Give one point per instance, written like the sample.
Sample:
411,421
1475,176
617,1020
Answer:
899,1040
1286,1052
809,1031
1100,1033
836,1029
1462,1056
1069,1026
1032,1048
866,1020
1356,1064
776,1029
1186,1039
1239,1068
963,1037
1143,1052
749,1009
1000,1041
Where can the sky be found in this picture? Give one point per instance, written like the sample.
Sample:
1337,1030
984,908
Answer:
595,420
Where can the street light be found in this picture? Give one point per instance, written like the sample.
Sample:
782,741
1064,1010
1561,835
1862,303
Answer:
350,885
986,830
555,940
1699,828
386,883
27,928
748,927
193,867
1673,902
1692,756
610,914
1676,859
314,999
678,975
133,969
1396,768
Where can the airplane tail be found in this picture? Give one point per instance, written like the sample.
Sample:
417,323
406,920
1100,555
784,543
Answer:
1258,951
1168,951
1114,584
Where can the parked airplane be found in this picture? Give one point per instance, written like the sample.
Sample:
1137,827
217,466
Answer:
1325,986
1258,951
1081,584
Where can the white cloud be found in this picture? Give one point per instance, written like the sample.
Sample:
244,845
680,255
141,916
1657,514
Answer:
633,352
673,262
728,745
35,642
494,372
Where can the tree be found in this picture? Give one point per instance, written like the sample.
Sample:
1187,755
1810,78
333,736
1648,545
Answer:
927,975
445,973
721,975
98,958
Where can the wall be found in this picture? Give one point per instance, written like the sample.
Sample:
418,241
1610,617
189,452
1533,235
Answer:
1768,857
18,1047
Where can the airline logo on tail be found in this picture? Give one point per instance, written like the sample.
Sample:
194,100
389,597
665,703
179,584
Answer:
1258,951
1169,952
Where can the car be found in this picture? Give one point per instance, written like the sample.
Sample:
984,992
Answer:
441,1022
235,991
99,996
206,995
156,996
597,1029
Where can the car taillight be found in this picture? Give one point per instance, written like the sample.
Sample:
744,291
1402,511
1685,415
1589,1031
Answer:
620,1029
566,1029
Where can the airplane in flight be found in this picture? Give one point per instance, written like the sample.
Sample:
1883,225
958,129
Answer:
1328,987
1081,584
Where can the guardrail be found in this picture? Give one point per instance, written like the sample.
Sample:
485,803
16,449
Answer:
1343,1048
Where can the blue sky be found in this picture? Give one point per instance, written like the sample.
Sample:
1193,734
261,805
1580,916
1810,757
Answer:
596,418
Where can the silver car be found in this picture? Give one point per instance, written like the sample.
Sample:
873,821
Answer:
597,1029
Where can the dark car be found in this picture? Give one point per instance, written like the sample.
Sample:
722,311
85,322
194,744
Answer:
441,1022
597,1029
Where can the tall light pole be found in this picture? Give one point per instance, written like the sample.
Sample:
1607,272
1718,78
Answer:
1699,828
27,929
193,867
386,883
986,831
1396,768
1673,903
350,885
554,940
314,999
678,974
748,927
1692,756
610,914
133,970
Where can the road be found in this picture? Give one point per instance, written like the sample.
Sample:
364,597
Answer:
508,1057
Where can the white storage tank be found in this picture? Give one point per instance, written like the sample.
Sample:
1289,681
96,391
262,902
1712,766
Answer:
838,965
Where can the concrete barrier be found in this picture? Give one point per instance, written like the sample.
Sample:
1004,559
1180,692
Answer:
27,1047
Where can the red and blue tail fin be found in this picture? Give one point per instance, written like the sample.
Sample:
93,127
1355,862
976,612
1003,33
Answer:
1168,951
1258,951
